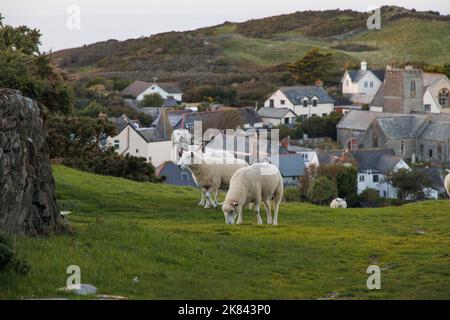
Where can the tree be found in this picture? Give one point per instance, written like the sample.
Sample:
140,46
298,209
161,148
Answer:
409,183
315,65
24,68
322,190
222,120
325,126
153,100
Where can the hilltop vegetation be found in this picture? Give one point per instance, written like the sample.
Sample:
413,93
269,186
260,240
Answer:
125,229
250,56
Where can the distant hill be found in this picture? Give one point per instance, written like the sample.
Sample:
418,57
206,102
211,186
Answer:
241,53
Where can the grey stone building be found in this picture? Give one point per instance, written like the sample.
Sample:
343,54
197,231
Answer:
417,137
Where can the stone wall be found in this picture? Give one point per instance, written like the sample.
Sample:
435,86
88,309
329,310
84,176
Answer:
27,188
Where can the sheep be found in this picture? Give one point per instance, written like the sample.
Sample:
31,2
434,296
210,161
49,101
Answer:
210,173
447,183
256,184
338,203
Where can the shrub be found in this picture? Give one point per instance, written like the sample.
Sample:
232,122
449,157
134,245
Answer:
370,195
322,190
9,258
291,194
153,100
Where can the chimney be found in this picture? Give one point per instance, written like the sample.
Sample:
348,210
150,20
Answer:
388,67
409,67
364,65
319,83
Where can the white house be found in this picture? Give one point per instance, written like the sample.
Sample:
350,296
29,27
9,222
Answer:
362,85
303,101
139,89
277,116
148,143
437,88
309,155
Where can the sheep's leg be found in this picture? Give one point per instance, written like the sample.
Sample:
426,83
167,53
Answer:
277,201
202,200
239,220
269,214
209,200
258,215
216,197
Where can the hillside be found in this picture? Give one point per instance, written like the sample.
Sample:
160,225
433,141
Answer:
178,250
239,52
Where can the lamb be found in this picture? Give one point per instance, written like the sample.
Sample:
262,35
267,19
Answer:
338,203
210,173
256,184
447,183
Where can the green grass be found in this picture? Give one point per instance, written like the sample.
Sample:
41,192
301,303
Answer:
177,250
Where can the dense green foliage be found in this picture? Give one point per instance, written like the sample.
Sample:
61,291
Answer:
24,68
314,66
409,183
178,250
153,100
10,260
322,190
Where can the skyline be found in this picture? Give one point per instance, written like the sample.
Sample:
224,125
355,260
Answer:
100,19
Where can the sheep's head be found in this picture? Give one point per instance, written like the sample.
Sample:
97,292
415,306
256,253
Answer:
230,210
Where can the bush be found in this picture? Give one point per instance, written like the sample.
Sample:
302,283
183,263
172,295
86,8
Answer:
291,194
370,195
9,258
322,190
153,100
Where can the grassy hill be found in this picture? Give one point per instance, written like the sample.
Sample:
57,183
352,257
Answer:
242,48
125,229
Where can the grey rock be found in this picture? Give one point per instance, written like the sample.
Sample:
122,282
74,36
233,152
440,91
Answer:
27,188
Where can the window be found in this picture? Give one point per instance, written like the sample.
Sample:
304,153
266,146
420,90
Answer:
443,98
384,194
282,102
413,88
116,144
421,149
376,178
305,103
313,115
286,120
366,84
305,156
272,103
428,108
137,150
439,150
402,147
371,84
314,103
430,153
324,114
362,178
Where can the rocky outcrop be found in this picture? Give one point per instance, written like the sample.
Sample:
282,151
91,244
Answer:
27,188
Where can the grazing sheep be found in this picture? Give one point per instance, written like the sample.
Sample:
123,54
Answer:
256,184
210,173
447,183
338,203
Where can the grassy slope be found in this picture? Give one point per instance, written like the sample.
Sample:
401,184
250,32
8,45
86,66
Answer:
158,233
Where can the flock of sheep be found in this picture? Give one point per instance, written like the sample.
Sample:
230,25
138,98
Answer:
248,185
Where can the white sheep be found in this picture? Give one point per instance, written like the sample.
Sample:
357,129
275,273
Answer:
447,183
338,203
210,173
257,184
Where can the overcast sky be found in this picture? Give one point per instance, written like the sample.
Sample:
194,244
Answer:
124,19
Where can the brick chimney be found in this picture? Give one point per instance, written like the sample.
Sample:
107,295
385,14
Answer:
363,65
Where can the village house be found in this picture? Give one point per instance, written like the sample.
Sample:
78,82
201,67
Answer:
416,137
362,85
303,101
435,98
273,117
170,92
153,144
291,166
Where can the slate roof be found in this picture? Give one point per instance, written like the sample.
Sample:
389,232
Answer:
174,175
435,176
136,88
291,165
249,115
329,157
170,102
297,93
429,79
400,126
357,75
436,131
150,134
274,113
169,87
357,120
381,160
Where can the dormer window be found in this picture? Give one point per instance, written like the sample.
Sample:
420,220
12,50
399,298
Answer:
305,103
443,98
314,102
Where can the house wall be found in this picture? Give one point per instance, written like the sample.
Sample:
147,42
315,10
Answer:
322,108
349,87
344,136
428,145
130,142
159,152
429,99
162,93
277,98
